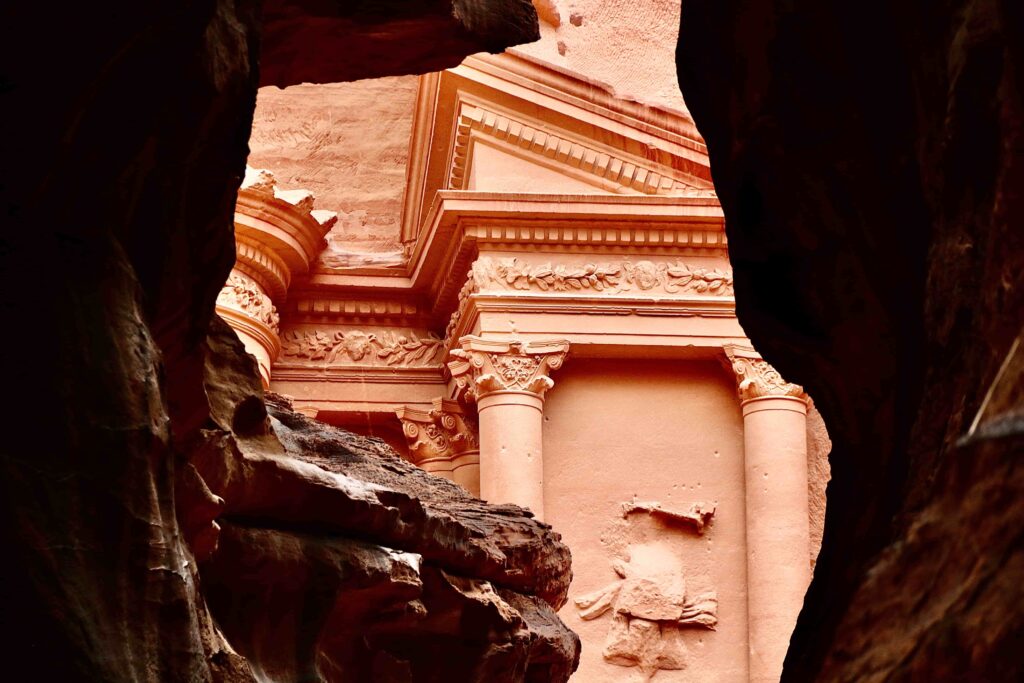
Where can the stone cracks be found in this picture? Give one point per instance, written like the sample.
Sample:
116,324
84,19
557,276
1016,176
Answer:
412,573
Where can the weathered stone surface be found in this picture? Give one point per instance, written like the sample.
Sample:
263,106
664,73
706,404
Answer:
124,150
319,41
868,159
340,561
348,143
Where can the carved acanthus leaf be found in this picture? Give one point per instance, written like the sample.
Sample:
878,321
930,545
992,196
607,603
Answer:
243,294
442,432
755,378
362,348
671,277
481,367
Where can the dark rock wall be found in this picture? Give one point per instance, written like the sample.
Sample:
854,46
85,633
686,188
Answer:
125,129
125,139
870,160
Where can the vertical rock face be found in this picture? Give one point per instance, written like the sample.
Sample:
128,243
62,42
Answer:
868,157
145,475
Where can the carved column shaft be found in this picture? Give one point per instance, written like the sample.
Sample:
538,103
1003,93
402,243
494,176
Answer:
508,381
778,535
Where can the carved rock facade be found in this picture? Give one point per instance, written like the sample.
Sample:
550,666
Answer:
563,293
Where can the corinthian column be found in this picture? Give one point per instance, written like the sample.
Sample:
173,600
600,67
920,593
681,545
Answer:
508,381
778,542
442,441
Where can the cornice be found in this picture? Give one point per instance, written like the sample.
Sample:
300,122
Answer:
606,166
578,91
287,371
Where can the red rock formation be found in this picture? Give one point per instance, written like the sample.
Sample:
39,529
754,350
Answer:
868,157
127,126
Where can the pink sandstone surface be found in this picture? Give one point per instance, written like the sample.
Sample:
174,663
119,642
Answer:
348,144
626,45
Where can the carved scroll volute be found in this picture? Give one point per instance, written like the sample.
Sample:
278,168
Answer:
755,378
481,367
438,434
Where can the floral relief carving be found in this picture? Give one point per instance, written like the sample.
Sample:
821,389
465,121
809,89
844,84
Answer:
243,294
366,348
671,277
442,432
755,378
481,367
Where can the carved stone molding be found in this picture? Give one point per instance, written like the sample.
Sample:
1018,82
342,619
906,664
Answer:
278,234
624,276
441,433
755,378
616,169
484,366
357,347
243,294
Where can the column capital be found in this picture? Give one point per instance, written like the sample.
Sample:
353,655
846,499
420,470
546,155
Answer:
442,432
484,366
756,379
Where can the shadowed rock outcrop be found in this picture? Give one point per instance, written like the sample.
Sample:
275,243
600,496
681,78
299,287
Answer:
338,559
325,41
869,160
126,142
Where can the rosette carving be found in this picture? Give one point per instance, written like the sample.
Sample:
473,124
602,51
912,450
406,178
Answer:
481,366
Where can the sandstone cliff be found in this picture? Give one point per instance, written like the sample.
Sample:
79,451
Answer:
146,487
869,160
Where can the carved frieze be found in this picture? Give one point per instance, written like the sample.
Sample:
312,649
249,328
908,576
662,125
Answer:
241,293
755,378
624,276
356,347
481,366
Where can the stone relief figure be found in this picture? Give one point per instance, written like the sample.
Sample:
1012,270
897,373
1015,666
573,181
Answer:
650,609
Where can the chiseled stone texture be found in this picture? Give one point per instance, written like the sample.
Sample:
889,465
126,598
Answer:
348,144
624,45
867,156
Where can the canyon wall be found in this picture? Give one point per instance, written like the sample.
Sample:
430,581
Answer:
868,158
143,478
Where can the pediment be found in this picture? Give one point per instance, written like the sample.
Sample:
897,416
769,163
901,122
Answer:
498,153
509,124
